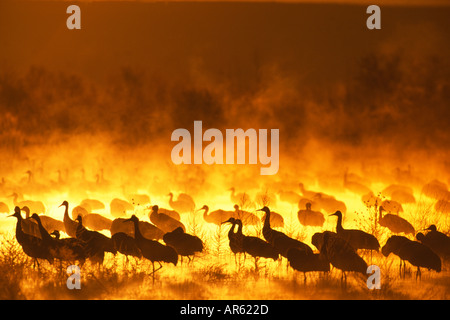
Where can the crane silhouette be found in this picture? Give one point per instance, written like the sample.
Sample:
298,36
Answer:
35,206
70,226
278,239
246,216
437,241
49,223
126,226
32,246
165,222
96,243
119,207
235,242
358,239
185,244
153,250
394,223
309,217
69,249
217,216
301,261
254,246
339,253
183,204
414,252
126,245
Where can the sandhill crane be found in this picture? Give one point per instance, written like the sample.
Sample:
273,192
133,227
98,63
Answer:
278,239
358,239
49,223
35,206
4,208
394,223
126,226
242,198
185,244
216,216
138,199
307,193
246,216
289,196
403,197
126,245
235,241
442,206
355,186
329,203
255,246
171,213
393,188
301,261
309,217
392,206
339,253
436,190
80,211
32,246
96,243
69,249
370,199
183,204
164,222
119,207
96,222
437,241
30,225
92,204
153,250
414,252
70,226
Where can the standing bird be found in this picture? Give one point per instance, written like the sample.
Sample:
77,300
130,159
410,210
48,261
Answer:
183,204
339,253
119,207
126,226
394,223
49,223
165,222
153,250
4,208
96,243
35,206
32,246
414,252
278,239
70,226
301,261
309,217
92,204
69,249
437,241
185,244
96,222
255,246
356,238
126,245
235,242
217,216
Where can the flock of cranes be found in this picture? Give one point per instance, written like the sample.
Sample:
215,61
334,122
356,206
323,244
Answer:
165,239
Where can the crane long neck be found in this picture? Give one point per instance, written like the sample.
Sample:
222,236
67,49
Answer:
267,220
231,232
137,233
339,224
239,231
380,213
44,234
19,230
205,213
